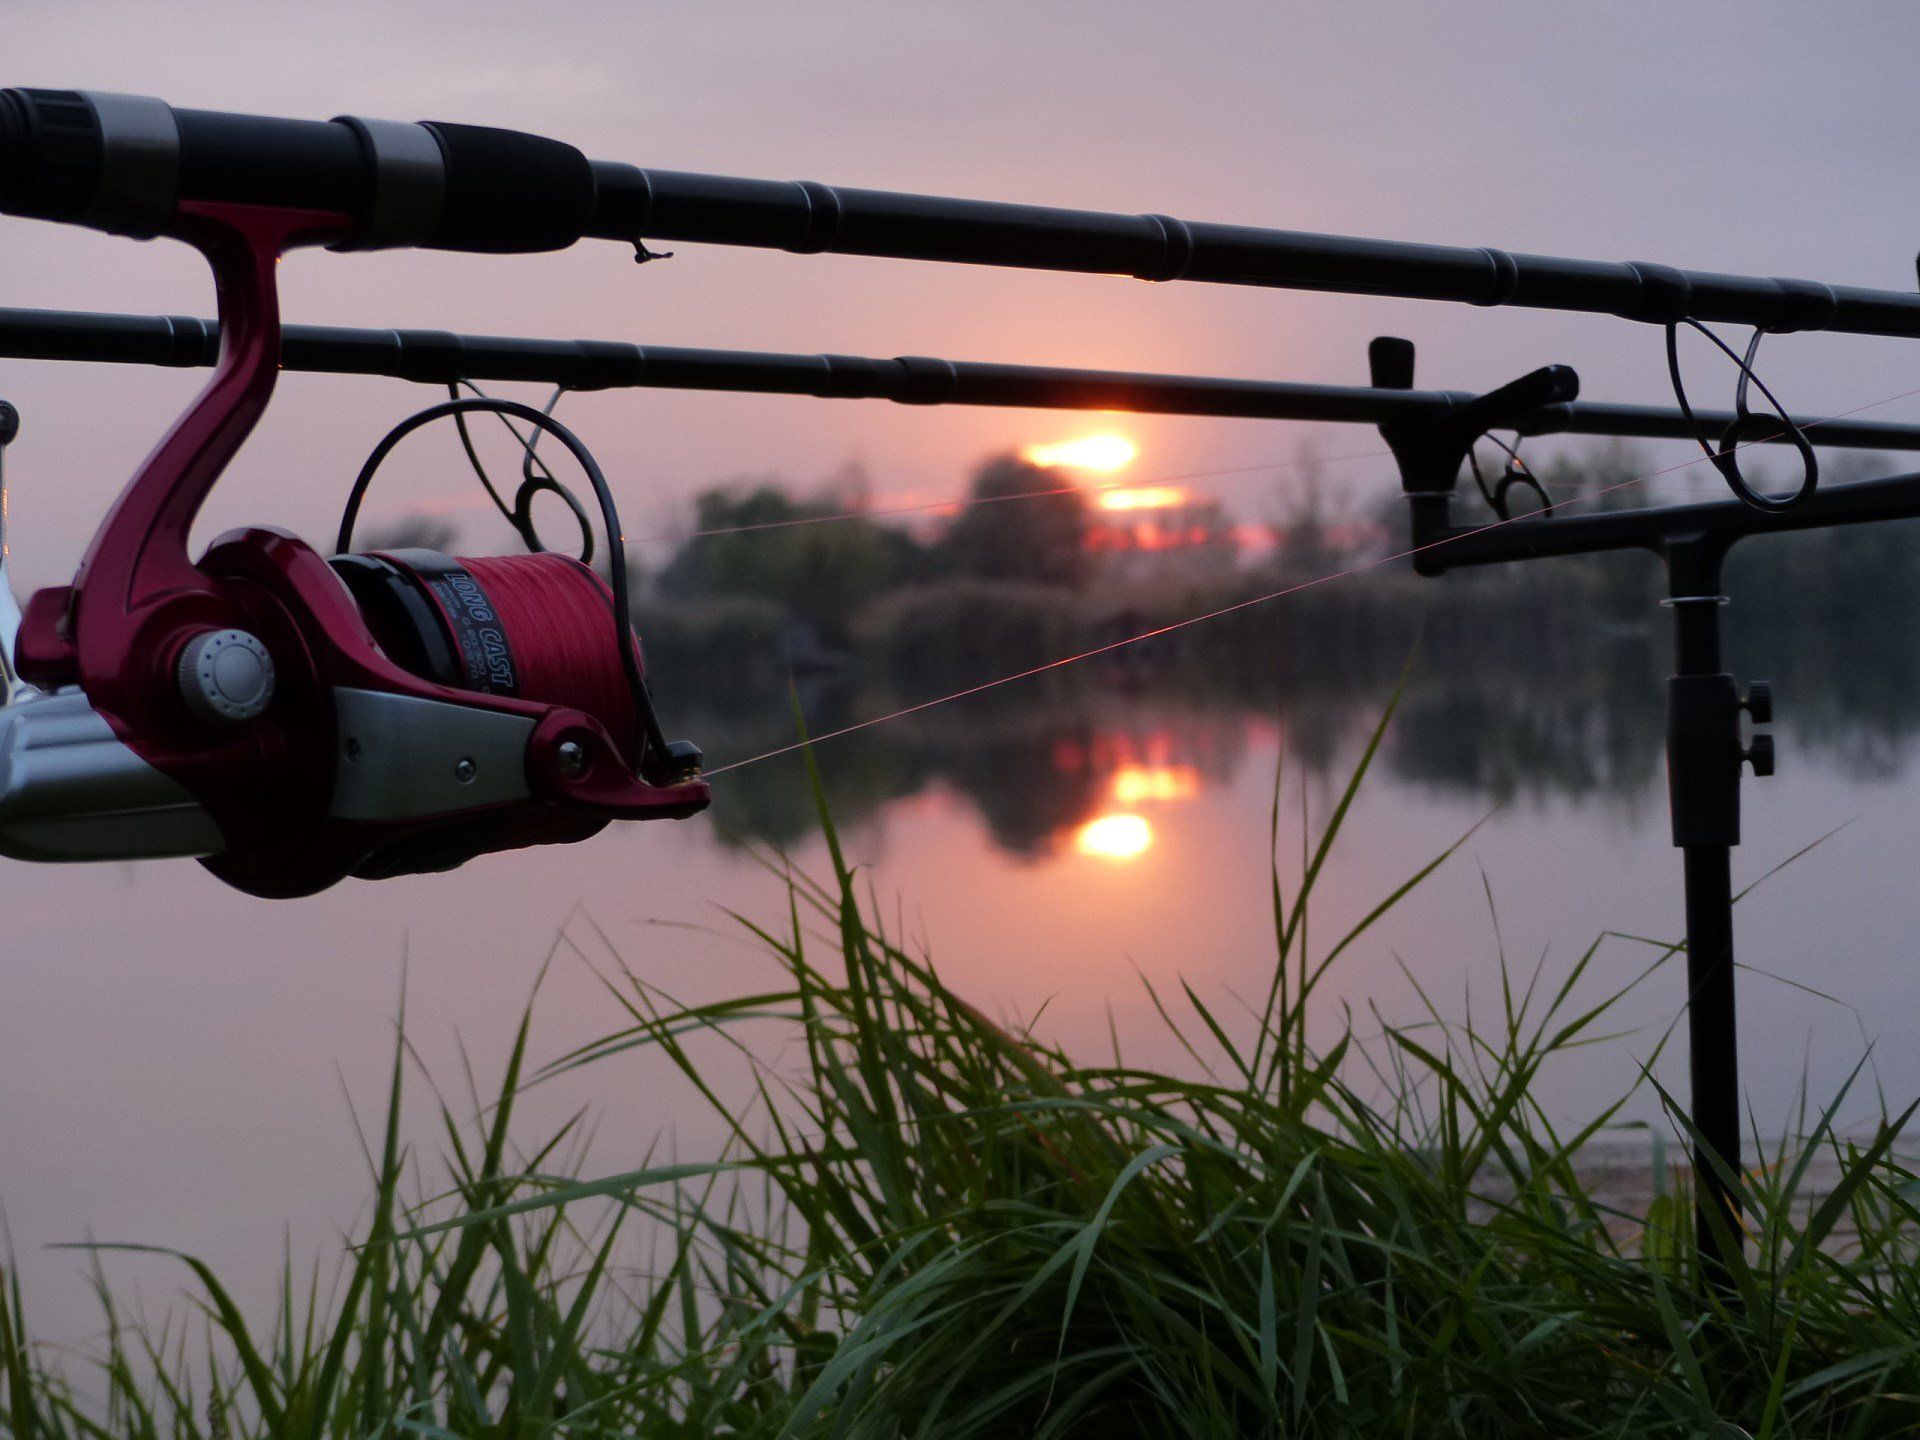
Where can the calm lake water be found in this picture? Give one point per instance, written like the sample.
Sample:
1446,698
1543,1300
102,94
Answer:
177,1061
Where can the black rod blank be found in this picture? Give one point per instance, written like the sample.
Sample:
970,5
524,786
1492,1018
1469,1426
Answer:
438,357
810,218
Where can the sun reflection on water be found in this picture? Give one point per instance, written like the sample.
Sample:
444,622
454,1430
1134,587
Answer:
1135,783
1118,838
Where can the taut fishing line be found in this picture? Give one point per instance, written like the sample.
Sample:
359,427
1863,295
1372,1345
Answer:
1169,629
1526,477
1517,473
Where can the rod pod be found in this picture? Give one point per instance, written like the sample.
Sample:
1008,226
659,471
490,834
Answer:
1705,756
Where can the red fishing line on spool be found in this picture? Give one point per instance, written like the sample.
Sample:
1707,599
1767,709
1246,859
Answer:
533,627
557,614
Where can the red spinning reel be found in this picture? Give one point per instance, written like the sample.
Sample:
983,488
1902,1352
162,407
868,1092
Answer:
289,719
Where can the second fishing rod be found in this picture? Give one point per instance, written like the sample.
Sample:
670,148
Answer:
440,357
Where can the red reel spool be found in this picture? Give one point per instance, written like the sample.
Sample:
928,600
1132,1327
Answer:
531,627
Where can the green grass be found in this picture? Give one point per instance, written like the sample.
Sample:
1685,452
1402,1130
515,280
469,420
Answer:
936,1227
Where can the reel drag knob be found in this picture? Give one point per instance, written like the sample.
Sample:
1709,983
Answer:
226,676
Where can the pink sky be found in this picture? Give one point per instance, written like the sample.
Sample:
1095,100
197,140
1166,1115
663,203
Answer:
1708,135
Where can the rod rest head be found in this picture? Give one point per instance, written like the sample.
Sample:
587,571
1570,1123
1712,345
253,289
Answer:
1430,451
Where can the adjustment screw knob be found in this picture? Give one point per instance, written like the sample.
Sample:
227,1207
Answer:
1760,755
1759,702
225,676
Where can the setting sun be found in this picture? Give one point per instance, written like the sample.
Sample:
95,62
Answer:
1146,497
1114,837
1101,453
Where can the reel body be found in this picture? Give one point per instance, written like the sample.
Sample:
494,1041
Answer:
292,720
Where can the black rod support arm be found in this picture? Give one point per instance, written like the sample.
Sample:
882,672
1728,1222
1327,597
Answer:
1706,528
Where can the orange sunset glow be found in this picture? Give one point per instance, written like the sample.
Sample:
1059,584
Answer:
1102,454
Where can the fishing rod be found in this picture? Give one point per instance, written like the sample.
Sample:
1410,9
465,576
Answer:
438,357
121,163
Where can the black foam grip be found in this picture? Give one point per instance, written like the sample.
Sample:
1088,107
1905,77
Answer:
264,160
510,193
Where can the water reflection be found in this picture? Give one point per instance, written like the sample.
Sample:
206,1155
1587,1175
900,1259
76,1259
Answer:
1035,769
169,1047
1134,783
1525,719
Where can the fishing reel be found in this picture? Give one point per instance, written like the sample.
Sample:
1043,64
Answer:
292,719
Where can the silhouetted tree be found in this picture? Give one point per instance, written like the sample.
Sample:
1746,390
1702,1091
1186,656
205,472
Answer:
821,574
1041,539
1308,512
